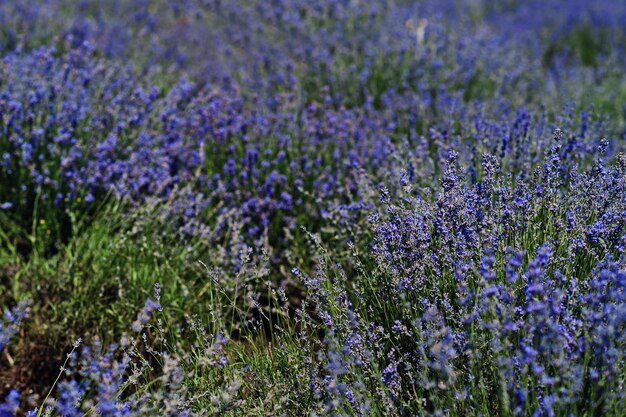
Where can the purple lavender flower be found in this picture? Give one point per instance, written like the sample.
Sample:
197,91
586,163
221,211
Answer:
12,320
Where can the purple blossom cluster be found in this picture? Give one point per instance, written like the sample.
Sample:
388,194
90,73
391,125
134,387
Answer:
502,294
113,380
12,320
78,130
464,160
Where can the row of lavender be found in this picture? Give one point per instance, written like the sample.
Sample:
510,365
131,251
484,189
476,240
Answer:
464,148
263,43
77,128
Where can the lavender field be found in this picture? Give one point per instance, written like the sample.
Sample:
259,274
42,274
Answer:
313,208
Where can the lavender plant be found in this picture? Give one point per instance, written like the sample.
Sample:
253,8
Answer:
11,321
455,310
354,208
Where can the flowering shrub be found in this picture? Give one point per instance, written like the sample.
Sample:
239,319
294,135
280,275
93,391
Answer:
354,208
467,302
